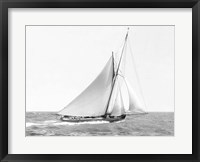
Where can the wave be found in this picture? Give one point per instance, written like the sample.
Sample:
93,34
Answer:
50,121
80,123
55,123
32,124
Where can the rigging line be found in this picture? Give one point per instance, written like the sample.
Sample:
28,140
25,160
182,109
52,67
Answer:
137,76
122,103
117,51
116,72
121,75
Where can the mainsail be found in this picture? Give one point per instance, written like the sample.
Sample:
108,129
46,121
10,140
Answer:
93,100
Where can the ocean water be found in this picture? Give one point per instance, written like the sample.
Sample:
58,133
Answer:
151,124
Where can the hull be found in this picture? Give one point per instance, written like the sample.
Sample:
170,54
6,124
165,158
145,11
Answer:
82,119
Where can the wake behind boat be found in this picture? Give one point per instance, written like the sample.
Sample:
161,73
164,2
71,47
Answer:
102,100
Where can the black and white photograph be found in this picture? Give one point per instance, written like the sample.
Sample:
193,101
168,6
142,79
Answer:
99,80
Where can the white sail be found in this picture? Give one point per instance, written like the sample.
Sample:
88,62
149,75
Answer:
134,103
94,99
118,108
125,96
113,95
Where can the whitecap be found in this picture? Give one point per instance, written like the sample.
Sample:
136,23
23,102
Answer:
80,123
32,124
50,121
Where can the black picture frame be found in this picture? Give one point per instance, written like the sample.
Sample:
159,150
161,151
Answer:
6,4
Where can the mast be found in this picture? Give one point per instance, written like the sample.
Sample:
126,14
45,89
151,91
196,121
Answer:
115,75
122,51
113,64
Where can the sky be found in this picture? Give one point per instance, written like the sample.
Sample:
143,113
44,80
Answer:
61,61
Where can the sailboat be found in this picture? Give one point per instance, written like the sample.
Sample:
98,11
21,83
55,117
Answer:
102,100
